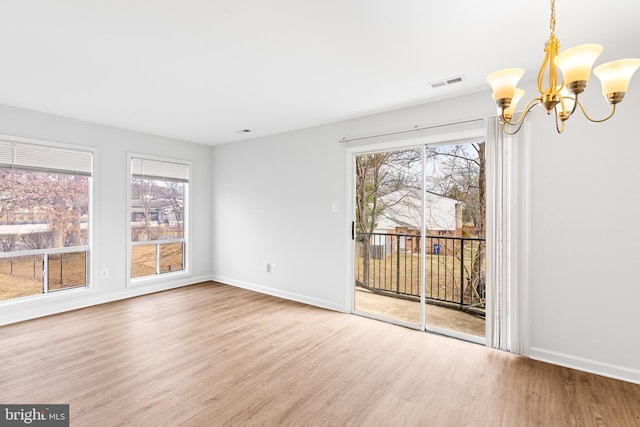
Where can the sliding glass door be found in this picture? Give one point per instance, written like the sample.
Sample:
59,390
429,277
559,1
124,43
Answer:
454,229
388,218
419,239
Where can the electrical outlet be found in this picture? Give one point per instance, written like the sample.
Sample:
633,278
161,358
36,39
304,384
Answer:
104,273
273,268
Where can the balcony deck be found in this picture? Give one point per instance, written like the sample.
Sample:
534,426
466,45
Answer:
409,311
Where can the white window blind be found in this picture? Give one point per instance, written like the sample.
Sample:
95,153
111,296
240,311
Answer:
507,231
144,168
46,159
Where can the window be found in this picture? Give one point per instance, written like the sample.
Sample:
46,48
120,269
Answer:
44,219
157,206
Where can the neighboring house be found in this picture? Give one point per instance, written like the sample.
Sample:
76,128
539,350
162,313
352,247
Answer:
443,215
30,224
161,212
403,216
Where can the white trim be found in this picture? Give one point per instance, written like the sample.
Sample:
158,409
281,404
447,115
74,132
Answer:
329,305
156,242
164,277
390,320
459,335
431,132
43,300
493,164
49,251
587,365
423,244
442,138
94,213
350,220
157,278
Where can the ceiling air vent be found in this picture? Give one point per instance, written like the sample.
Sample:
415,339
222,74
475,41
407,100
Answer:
447,82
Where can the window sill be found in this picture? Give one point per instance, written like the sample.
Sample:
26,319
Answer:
157,279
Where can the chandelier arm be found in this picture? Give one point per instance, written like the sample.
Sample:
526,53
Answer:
520,121
559,128
505,129
575,105
543,67
613,110
525,111
570,113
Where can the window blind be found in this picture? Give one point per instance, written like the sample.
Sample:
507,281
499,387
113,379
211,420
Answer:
144,168
45,159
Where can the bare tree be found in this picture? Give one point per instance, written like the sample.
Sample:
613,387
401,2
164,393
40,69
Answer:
378,175
161,198
39,240
458,172
58,200
8,243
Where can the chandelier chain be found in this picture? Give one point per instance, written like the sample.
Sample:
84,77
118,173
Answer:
552,23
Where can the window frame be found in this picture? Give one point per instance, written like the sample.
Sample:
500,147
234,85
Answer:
159,277
44,165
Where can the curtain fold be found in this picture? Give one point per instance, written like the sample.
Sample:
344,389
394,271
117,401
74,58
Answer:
507,195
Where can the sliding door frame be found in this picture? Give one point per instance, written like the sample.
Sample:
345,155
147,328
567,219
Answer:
351,159
441,137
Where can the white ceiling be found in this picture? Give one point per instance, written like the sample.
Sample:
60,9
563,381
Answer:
202,70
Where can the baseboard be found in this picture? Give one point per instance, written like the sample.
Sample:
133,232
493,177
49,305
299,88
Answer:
280,294
586,365
70,300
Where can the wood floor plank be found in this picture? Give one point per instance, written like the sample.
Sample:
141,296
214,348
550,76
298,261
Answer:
211,354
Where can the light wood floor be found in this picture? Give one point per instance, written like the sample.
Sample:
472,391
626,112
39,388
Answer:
211,354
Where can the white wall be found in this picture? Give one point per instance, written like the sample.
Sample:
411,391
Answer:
110,186
585,285
272,203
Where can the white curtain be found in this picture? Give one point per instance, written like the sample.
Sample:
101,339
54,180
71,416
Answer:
507,216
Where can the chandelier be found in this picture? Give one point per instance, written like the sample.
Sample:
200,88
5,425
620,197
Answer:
561,99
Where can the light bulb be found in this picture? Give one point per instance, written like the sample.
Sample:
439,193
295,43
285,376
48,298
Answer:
504,83
576,63
517,96
615,77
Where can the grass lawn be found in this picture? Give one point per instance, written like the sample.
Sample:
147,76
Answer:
442,274
22,276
